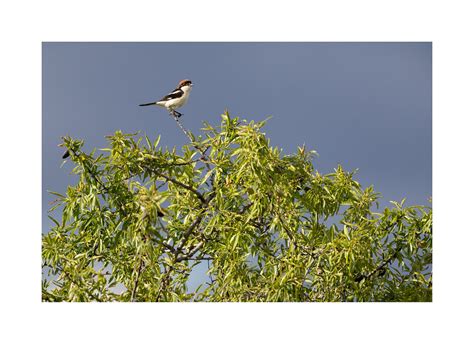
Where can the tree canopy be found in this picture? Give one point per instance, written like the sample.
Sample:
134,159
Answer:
267,226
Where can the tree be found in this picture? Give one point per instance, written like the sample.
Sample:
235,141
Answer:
268,226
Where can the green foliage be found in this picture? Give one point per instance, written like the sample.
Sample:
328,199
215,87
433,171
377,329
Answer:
268,226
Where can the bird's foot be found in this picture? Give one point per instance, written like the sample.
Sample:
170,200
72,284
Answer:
176,114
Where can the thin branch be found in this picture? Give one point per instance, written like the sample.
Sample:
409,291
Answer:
195,249
185,131
165,280
190,254
380,267
164,244
361,277
165,164
174,181
245,208
188,134
71,279
188,232
135,286
308,270
200,259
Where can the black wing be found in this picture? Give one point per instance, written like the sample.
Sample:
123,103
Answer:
175,94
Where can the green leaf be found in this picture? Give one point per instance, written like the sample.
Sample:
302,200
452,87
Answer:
271,230
55,193
54,220
206,177
157,141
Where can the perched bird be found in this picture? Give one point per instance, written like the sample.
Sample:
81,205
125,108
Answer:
175,99
171,102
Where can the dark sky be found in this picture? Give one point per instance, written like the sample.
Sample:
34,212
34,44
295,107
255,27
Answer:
361,105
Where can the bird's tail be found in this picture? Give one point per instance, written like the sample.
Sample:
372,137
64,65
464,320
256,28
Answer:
144,105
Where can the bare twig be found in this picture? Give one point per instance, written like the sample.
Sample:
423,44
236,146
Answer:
188,134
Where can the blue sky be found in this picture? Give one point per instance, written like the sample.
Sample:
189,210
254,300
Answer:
361,105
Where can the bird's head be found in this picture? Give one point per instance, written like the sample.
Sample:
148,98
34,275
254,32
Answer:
185,84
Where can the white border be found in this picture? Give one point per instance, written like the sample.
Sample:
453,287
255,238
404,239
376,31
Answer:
26,24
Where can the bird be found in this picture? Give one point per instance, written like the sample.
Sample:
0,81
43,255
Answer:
176,99
172,101
66,154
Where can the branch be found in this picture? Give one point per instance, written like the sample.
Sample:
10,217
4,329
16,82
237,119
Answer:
188,134
178,163
174,181
380,267
135,286
87,168
164,282
164,243
190,254
384,263
204,203
71,279
188,232
200,259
